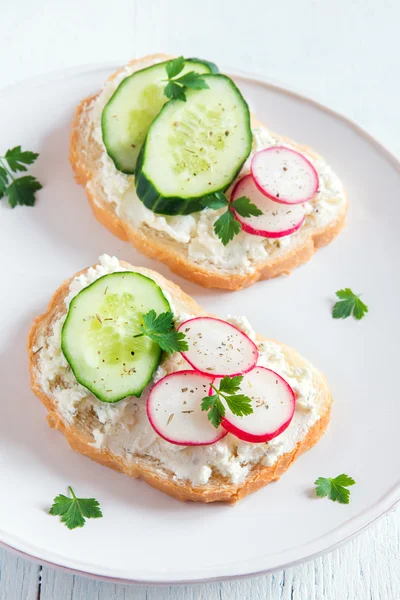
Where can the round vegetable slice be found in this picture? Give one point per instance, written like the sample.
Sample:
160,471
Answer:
276,221
284,175
174,410
273,402
194,148
212,66
98,335
128,114
218,348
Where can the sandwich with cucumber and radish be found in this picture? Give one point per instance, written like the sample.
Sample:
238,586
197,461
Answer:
139,378
173,162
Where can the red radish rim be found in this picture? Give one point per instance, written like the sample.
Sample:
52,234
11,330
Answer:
216,375
148,412
281,200
254,439
262,232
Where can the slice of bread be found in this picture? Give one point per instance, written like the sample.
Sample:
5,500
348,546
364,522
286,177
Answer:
119,436
188,244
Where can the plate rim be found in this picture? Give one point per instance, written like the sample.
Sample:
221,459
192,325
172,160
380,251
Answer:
313,549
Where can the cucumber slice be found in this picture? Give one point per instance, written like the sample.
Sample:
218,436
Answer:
212,66
194,148
133,106
98,335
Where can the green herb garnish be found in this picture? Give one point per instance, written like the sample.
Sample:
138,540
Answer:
226,226
348,304
19,190
335,488
159,329
228,390
177,86
74,510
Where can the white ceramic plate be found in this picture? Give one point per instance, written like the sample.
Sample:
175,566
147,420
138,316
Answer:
146,536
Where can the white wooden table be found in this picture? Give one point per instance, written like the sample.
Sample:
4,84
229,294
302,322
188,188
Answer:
345,53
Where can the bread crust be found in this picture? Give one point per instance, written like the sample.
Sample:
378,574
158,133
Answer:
218,489
150,244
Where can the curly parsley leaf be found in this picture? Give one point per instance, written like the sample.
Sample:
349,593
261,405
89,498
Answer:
159,329
245,208
335,488
177,86
349,304
239,404
17,158
74,511
21,191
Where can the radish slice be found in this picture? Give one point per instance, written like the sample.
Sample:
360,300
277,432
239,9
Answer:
174,410
273,403
284,175
276,221
218,348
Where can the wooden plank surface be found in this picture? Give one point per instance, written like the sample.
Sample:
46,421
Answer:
345,54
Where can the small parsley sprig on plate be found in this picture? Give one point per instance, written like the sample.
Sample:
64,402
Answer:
74,511
159,328
228,390
226,226
177,86
18,190
349,304
335,488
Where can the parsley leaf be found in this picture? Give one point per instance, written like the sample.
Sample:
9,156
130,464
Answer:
74,510
215,407
335,488
3,181
245,208
226,226
17,158
159,329
215,201
174,91
239,404
160,323
348,304
21,190
193,81
230,385
172,341
177,86
175,66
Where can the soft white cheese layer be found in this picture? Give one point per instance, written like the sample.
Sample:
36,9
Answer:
195,231
125,429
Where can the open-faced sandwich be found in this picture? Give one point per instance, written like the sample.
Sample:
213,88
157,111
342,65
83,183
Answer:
139,378
173,162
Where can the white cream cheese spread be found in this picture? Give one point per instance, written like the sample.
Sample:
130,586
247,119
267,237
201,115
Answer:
124,427
195,232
